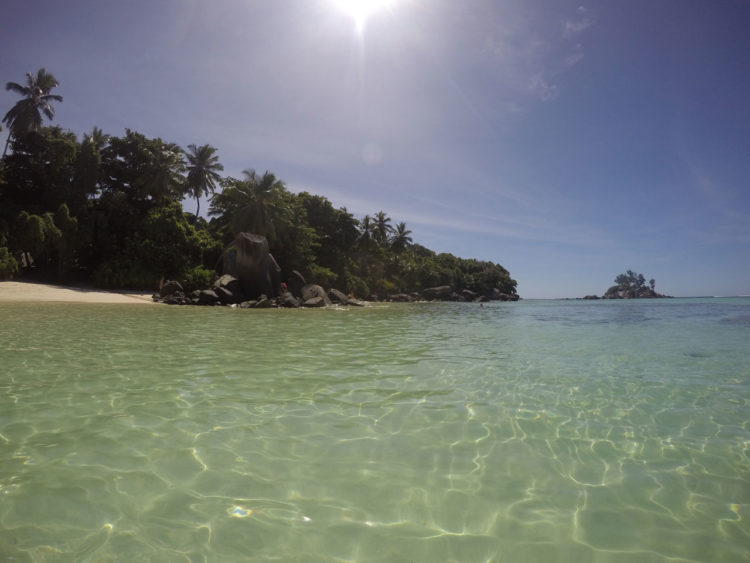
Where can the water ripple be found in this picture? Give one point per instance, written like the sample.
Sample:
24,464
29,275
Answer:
427,432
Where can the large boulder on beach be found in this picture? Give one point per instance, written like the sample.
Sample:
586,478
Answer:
229,289
295,283
169,288
207,297
337,296
314,302
311,291
497,295
287,299
442,292
264,303
469,295
176,298
249,260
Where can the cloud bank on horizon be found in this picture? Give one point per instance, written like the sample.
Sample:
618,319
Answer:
567,142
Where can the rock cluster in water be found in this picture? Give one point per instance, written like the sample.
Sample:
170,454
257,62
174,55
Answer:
447,293
228,290
616,292
252,279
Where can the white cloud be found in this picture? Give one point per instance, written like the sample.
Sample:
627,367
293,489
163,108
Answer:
575,56
528,56
572,28
575,26
542,88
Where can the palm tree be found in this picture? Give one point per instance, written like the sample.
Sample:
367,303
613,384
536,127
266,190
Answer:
88,165
26,115
97,138
254,204
203,168
266,213
382,227
161,178
366,229
400,238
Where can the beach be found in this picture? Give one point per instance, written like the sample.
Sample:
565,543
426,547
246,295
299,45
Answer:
33,292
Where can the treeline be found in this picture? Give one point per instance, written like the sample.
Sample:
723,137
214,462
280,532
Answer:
107,210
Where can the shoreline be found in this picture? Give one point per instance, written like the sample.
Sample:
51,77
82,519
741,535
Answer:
35,292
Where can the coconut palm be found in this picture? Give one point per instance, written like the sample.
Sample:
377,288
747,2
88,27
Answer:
203,167
161,179
400,238
366,228
26,115
255,204
382,227
97,138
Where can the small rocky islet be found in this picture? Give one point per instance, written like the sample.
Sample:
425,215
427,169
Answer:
630,285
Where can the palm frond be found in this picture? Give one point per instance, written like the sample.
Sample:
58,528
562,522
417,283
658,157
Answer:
16,88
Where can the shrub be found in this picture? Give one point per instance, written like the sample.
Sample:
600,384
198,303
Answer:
357,286
384,287
197,278
324,277
8,264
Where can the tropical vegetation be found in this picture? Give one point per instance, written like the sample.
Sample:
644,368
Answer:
632,285
107,209
26,114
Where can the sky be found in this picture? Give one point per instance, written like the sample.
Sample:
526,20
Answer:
567,141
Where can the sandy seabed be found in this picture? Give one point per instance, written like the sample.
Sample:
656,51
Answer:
32,292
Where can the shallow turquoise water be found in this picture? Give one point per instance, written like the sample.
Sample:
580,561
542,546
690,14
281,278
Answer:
531,431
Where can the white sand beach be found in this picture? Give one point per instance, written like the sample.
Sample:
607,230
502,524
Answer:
32,292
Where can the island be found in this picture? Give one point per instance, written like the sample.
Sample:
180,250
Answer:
630,285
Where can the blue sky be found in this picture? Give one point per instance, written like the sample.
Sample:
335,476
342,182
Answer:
566,141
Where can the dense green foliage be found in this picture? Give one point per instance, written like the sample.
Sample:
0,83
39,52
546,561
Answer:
633,281
8,264
107,209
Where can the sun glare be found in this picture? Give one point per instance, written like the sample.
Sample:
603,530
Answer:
360,10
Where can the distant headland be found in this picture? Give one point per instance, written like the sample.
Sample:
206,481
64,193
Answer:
107,211
252,279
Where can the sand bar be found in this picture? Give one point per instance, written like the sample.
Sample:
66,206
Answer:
32,292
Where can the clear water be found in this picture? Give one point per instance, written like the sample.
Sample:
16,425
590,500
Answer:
531,431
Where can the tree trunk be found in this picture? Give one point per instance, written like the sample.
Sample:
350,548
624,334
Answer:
7,142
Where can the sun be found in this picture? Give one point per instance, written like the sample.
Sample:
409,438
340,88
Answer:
360,10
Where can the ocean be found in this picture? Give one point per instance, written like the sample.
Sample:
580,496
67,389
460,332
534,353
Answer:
601,431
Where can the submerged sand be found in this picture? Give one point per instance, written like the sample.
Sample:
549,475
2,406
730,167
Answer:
32,292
